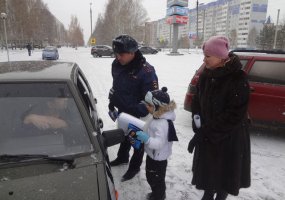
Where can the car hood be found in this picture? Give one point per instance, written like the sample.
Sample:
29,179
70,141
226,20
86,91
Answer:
50,180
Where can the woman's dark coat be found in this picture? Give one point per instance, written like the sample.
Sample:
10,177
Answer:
222,157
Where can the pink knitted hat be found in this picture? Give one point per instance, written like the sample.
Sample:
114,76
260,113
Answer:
217,46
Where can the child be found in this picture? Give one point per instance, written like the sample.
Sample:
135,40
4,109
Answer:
160,133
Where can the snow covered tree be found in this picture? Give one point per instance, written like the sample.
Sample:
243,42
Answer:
265,39
251,40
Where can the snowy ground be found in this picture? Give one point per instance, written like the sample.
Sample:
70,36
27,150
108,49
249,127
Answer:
175,72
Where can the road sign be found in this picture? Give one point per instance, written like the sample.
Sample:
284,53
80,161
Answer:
183,3
177,10
177,19
93,41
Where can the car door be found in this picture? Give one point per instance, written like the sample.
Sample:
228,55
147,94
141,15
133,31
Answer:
103,51
108,51
100,50
89,102
267,84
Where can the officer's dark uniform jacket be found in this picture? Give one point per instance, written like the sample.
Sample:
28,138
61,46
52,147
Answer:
222,159
131,83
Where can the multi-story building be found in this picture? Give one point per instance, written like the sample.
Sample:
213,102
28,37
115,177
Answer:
164,31
240,20
160,31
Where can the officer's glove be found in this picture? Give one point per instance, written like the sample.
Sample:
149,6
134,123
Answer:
113,114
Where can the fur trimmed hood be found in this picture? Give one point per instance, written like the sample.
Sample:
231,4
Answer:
164,109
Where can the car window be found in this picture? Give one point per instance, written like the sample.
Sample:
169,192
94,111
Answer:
50,49
85,93
41,118
243,62
268,72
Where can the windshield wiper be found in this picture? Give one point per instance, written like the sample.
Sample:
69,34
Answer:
21,157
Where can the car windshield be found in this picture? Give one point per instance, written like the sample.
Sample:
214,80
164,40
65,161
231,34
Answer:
49,49
41,119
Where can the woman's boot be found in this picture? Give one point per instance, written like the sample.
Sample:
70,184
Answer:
221,195
208,195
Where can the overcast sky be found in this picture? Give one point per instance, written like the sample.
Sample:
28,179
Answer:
63,9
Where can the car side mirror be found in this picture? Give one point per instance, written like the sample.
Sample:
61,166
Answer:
100,123
113,137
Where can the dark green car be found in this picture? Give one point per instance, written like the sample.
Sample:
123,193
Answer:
51,145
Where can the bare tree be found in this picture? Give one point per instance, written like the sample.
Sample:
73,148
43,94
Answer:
31,21
280,43
75,32
99,34
121,17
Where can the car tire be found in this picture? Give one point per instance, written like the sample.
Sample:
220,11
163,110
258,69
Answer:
95,55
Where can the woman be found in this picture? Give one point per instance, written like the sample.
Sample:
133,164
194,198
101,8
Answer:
221,163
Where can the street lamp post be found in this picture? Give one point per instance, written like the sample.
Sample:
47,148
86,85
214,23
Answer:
197,37
4,17
276,30
91,18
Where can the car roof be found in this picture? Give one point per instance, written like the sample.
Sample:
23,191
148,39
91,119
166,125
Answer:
36,71
50,48
260,54
102,45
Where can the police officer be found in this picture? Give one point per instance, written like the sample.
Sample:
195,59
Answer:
132,76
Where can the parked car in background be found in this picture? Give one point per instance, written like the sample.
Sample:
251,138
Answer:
158,49
38,46
102,50
50,53
148,50
266,73
48,160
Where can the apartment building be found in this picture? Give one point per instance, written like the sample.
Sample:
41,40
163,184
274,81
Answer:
162,31
237,19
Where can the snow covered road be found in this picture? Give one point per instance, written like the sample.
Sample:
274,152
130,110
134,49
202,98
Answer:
175,72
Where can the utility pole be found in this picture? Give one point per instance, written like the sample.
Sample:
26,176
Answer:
4,17
91,18
276,30
197,37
